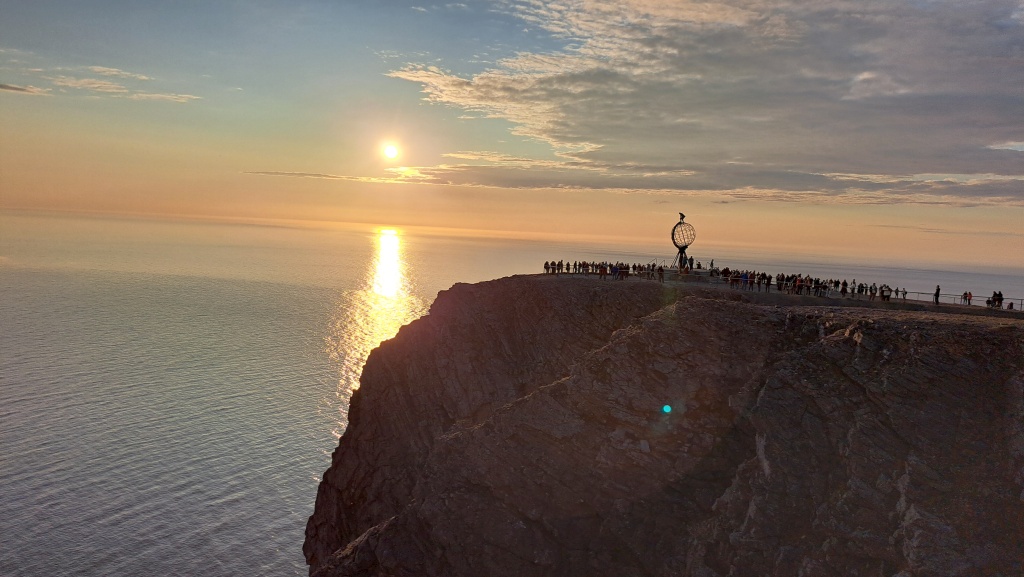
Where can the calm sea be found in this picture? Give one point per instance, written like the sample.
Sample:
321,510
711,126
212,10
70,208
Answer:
170,392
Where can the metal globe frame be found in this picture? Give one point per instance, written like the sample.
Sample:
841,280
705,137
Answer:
683,235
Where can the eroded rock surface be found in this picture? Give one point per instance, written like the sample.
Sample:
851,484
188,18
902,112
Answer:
519,429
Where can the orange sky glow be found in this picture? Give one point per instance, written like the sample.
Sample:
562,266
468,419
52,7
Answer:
553,123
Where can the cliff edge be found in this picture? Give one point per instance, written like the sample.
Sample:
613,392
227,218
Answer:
576,427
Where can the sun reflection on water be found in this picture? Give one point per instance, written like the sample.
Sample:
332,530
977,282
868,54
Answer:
364,318
387,278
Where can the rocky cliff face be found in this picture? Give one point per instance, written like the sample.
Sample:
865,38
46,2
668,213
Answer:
519,429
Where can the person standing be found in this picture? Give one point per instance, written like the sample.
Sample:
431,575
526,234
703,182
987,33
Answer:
938,291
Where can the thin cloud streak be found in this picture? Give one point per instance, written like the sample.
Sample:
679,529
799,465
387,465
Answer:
1018,146
403,175
165,97
297,174
941,193
949,231
116,84
30,90
113,89
104,71
90,84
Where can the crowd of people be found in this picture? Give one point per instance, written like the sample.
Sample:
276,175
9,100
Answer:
806,285
751,280
604,269
996,301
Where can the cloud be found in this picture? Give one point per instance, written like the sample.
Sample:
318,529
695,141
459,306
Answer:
1018,146
90,84
970,179
107,87
165,97
835,100
297,174
110,88
32,90
108,82
949,231
509,173
870,84
396,175
103,70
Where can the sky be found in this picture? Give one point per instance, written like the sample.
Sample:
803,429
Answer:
889,130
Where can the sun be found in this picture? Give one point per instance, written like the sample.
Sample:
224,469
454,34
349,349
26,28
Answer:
391,151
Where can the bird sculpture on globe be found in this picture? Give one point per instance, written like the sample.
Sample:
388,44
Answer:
683,236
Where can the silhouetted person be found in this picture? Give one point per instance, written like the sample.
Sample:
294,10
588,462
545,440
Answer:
938,291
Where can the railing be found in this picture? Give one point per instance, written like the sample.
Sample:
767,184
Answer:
710,275
1014,304
956,299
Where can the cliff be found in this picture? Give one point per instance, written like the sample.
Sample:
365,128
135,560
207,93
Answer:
518,429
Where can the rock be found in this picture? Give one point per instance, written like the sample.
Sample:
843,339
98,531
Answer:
518,430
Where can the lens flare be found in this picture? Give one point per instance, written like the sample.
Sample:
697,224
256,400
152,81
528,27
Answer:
667,409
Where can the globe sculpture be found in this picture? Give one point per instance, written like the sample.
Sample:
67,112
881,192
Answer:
682,236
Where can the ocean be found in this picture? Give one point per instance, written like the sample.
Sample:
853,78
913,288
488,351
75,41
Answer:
171,391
